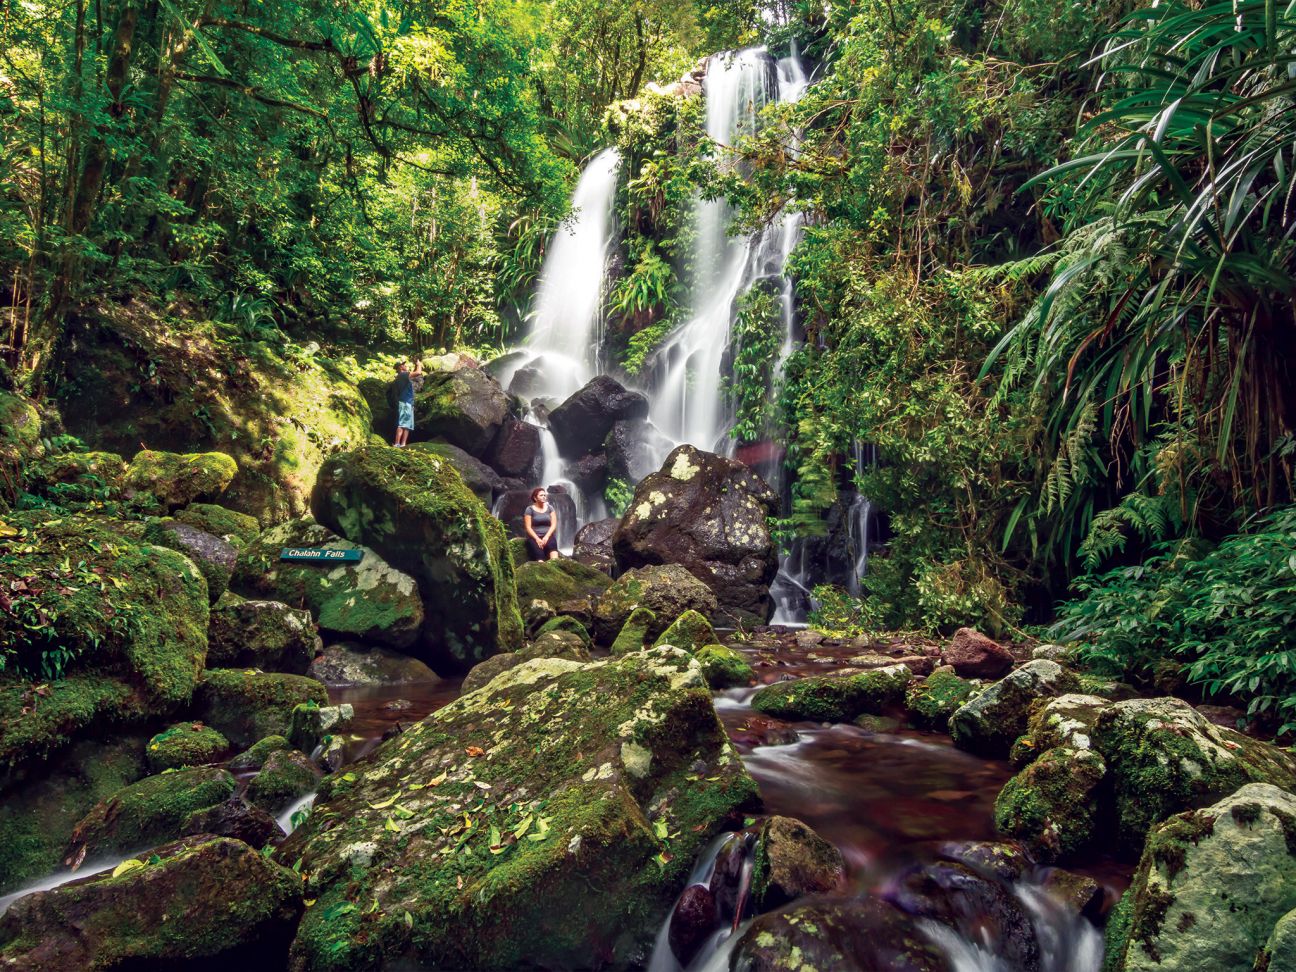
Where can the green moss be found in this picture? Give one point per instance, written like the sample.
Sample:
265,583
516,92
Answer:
254,757
560,582
177,480
77,480
931,701
152,810
1051,806
723,667
569,624
286,775
633,635
834,698
518,549
1117,934
185,744
247,705
689,631
216,572
235,528
19,443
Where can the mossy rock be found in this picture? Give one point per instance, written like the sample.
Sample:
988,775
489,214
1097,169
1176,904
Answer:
466,408
248,705
990,723
213,556
477,476
286,776
370,600
931,701
416,512
176,480
261,634
254,757
634,634
151,811
312,724
19,443
667,590
569,586
723,667
602,764
233,527
565,622
689,631
351,663
198,903
185,744
834,698
37,818
558,643
518,548
792,860
1052,806
1068,720
77,480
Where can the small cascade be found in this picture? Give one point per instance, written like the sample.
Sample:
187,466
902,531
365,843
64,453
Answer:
859,521
285,820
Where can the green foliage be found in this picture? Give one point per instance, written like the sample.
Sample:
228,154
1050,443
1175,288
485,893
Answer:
756,339
618,494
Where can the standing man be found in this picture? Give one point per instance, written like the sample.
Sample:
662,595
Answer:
404,387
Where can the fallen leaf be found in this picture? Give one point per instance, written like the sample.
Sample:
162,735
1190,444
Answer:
126,866
475,751
437,780
383,805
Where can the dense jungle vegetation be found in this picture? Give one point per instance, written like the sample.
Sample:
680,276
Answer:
1048,266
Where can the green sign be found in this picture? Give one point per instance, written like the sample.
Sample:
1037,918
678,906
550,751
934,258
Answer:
321,555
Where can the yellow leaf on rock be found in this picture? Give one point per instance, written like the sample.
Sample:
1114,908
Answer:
126,866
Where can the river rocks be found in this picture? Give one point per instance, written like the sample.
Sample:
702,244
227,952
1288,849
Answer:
213,556
485,671
1069,720
196,903
556,643
254,757
689,631
594,544
286,776
791,861
834,698
516,450
310,724
569,624
708,514
351,663
1052,805
415,510
185,744
477,475
973,655
989,723
723,667
369,600
668,591
250,705
467,408
932,700
1211,886
260,634
692,920
567,586
860,935
582,422
236,529
177,480
633,635
582,771
589,473
1163,757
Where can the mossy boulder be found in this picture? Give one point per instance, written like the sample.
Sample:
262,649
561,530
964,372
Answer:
932,700
565,622
569,835
185,744
792,860
77,480
176,480
417,513
254,757
1068,720
151,811
989,723
237,529
312,723
723,667
213,556
19,443
352,663
484,481
268,635
551,644
286,776
834,698
567,585
668,590
202,902
247,705
1280,951
467,408
370,600
1052,805
689,631
634,634
38,817
1211,886
518,550
1164,757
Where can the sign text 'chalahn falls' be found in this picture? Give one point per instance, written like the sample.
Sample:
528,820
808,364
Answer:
321,555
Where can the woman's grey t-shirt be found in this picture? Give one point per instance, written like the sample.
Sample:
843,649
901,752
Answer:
539,519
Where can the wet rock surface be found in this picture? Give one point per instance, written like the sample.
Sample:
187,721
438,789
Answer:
268,635
583,421
667,591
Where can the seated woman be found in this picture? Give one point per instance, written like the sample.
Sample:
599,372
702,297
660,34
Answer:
541,523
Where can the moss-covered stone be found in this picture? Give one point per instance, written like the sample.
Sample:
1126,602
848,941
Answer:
723,667
556,644
77,480
350,663
518,550
415,510
237,529
667,590
989,723
595,787
689,631
197,903
792,860
286,776
634,634
567,585
465,407
254,757
261,634
213,556
932,700
369,600
834,698
19,443
1280,950
1052,805
1069,720
312,723
565,622
247,705
185,744
176,480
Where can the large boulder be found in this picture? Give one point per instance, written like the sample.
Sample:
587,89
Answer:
484,481
567,586
185,744
1052,805
632,448
839,697
369,600
973,655
350,663
710,515
582,422
247,705
1211,887
236,529
212,555
668,591
516,450
689,631
175,480
76,480
260,634
593,545
202,903
990,723
792,860
417,513
467,408
586,793
1068,720
286,776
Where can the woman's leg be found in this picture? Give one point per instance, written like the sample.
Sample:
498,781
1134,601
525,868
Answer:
533,550
551,548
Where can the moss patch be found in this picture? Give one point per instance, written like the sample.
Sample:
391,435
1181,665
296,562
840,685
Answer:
247,705
185,744
723,667
1052,805
689,631
176,480
834,698
286,775
931,701
233,527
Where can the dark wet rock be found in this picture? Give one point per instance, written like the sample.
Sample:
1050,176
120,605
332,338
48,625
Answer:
990,723
526,382
792,860
369,600
931,701
352,663
582,422
416,512
466,408
632,447
1002,860
668,591
310,723
861,935
287,775
203,904
834,698
213,556
633,635
477,475
589,473
594,544
485,671
1080,894
249,705
268,635
973,655
876,723
185,744
567,586
176,480
254,757
689,631
598,760
723,667
709,515
1052,805
693,919
238,819
516,450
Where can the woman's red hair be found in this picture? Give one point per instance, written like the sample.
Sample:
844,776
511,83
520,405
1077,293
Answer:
536,492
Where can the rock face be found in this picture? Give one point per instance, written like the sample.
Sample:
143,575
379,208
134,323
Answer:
594,544
286,775
630,447
177,480
213,556
1052,805
792,860
370,600
261,634
516,450
484,481
416,512
990,723
467,408
973,655
204,903
834,698
581,423
708,514
554,826
347,663
1211,886
668,591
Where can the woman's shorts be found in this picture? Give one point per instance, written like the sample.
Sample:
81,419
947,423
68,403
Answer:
536,552
404,415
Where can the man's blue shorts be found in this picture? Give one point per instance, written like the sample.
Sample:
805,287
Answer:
404,415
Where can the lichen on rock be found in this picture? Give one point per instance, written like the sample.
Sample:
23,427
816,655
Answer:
839,697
